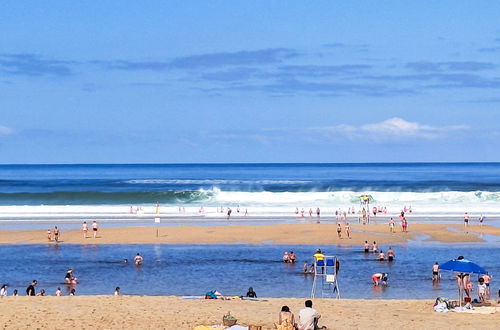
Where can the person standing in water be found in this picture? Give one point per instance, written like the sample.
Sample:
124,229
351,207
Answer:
435,272
390,254
138,259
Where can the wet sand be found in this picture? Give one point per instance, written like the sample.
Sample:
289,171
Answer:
311,233
146,312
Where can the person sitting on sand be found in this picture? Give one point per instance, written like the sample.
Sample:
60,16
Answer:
286,320
308,317
41,293
58,292
251,293
379,277
72,292
117,291
138,259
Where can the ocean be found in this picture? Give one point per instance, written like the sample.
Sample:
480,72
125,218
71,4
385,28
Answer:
201,192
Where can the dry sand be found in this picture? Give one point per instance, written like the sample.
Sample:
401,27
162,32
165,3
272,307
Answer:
135,312
258,234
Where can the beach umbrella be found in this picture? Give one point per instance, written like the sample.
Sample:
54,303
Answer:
464,267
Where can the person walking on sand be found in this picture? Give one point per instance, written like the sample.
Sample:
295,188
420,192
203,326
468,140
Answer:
466,223
392,223
308,317
30,290
85,229
56,234
347,229
481,220
94,228
339,230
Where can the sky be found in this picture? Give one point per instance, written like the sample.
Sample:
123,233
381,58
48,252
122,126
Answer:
249,81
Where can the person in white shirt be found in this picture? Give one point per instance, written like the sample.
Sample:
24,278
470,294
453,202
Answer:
308,317
3,290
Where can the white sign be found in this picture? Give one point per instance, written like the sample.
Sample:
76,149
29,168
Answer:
157,220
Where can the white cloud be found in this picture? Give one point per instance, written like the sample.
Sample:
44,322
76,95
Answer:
5,130
390,128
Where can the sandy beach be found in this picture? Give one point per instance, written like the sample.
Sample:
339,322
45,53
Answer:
143,312
259,234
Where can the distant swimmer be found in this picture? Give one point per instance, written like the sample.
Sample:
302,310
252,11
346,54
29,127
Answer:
318,211
138,259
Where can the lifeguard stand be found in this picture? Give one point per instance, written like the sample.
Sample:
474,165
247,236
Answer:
325,276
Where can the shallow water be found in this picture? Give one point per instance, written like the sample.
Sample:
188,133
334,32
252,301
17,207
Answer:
231,269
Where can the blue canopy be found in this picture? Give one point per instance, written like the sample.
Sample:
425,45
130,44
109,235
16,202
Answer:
462,266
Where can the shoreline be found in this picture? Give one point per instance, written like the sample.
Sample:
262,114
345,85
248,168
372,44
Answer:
301,234
170,312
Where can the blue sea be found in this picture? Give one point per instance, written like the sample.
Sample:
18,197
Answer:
270,191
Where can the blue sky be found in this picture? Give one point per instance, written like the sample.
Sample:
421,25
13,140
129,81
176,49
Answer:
249,81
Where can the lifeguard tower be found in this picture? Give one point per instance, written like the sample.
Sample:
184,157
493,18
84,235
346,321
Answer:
325,277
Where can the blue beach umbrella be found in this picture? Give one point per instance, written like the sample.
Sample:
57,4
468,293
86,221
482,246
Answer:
462,266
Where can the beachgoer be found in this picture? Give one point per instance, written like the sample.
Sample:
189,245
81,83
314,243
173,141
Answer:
85,229
404,225
49,235
117,291
310,212
339,230
487,278
15,293
286,320
308,317
68,278
41,293
304,268
435,272
347,229
292,257
392,223
3,290
366,247
286,257
319,258
56,234
94,228
302,212
229,211
318,212
138,259
58,292
72,292
381,256
157,211
374,247
481,290
466,222
390,254
251,293
481,219
30,290
379,277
